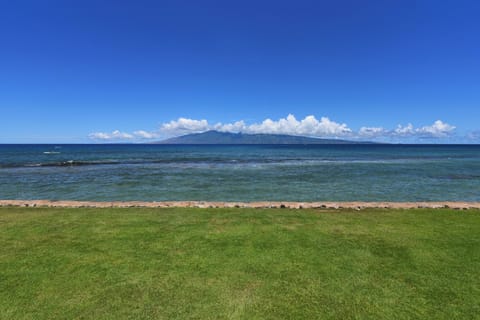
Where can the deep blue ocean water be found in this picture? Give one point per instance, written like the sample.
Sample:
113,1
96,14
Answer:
241,173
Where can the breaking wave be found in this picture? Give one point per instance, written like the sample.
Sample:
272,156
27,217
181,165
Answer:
215,162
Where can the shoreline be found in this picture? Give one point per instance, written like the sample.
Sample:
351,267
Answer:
256,204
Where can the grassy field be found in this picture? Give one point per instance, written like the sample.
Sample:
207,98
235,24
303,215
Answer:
239,264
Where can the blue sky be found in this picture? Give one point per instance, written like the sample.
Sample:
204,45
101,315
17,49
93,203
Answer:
100,71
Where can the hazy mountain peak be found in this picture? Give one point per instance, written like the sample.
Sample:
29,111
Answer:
217,137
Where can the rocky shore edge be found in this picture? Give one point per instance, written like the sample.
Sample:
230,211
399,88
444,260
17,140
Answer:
259,204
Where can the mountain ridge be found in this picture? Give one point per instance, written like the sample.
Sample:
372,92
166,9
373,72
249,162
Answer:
217,137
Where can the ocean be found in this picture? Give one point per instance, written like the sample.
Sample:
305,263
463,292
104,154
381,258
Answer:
241,172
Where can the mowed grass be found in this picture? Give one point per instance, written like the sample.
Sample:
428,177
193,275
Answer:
141,263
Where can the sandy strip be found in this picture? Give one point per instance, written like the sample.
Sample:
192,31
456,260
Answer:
263,204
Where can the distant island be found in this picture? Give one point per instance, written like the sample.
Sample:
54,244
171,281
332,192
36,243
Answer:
217,137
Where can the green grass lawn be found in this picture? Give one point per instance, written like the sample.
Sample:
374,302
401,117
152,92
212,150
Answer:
239,264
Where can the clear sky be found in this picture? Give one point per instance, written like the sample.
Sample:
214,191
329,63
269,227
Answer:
96,71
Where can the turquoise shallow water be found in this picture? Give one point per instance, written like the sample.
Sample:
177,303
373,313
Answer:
241,173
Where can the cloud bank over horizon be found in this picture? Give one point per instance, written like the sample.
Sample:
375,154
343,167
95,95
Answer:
309,126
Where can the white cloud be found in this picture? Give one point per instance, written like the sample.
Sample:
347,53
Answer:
184,125
372,132
145,135
437,129
309,126
114,135
99,135
404,131
238,126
